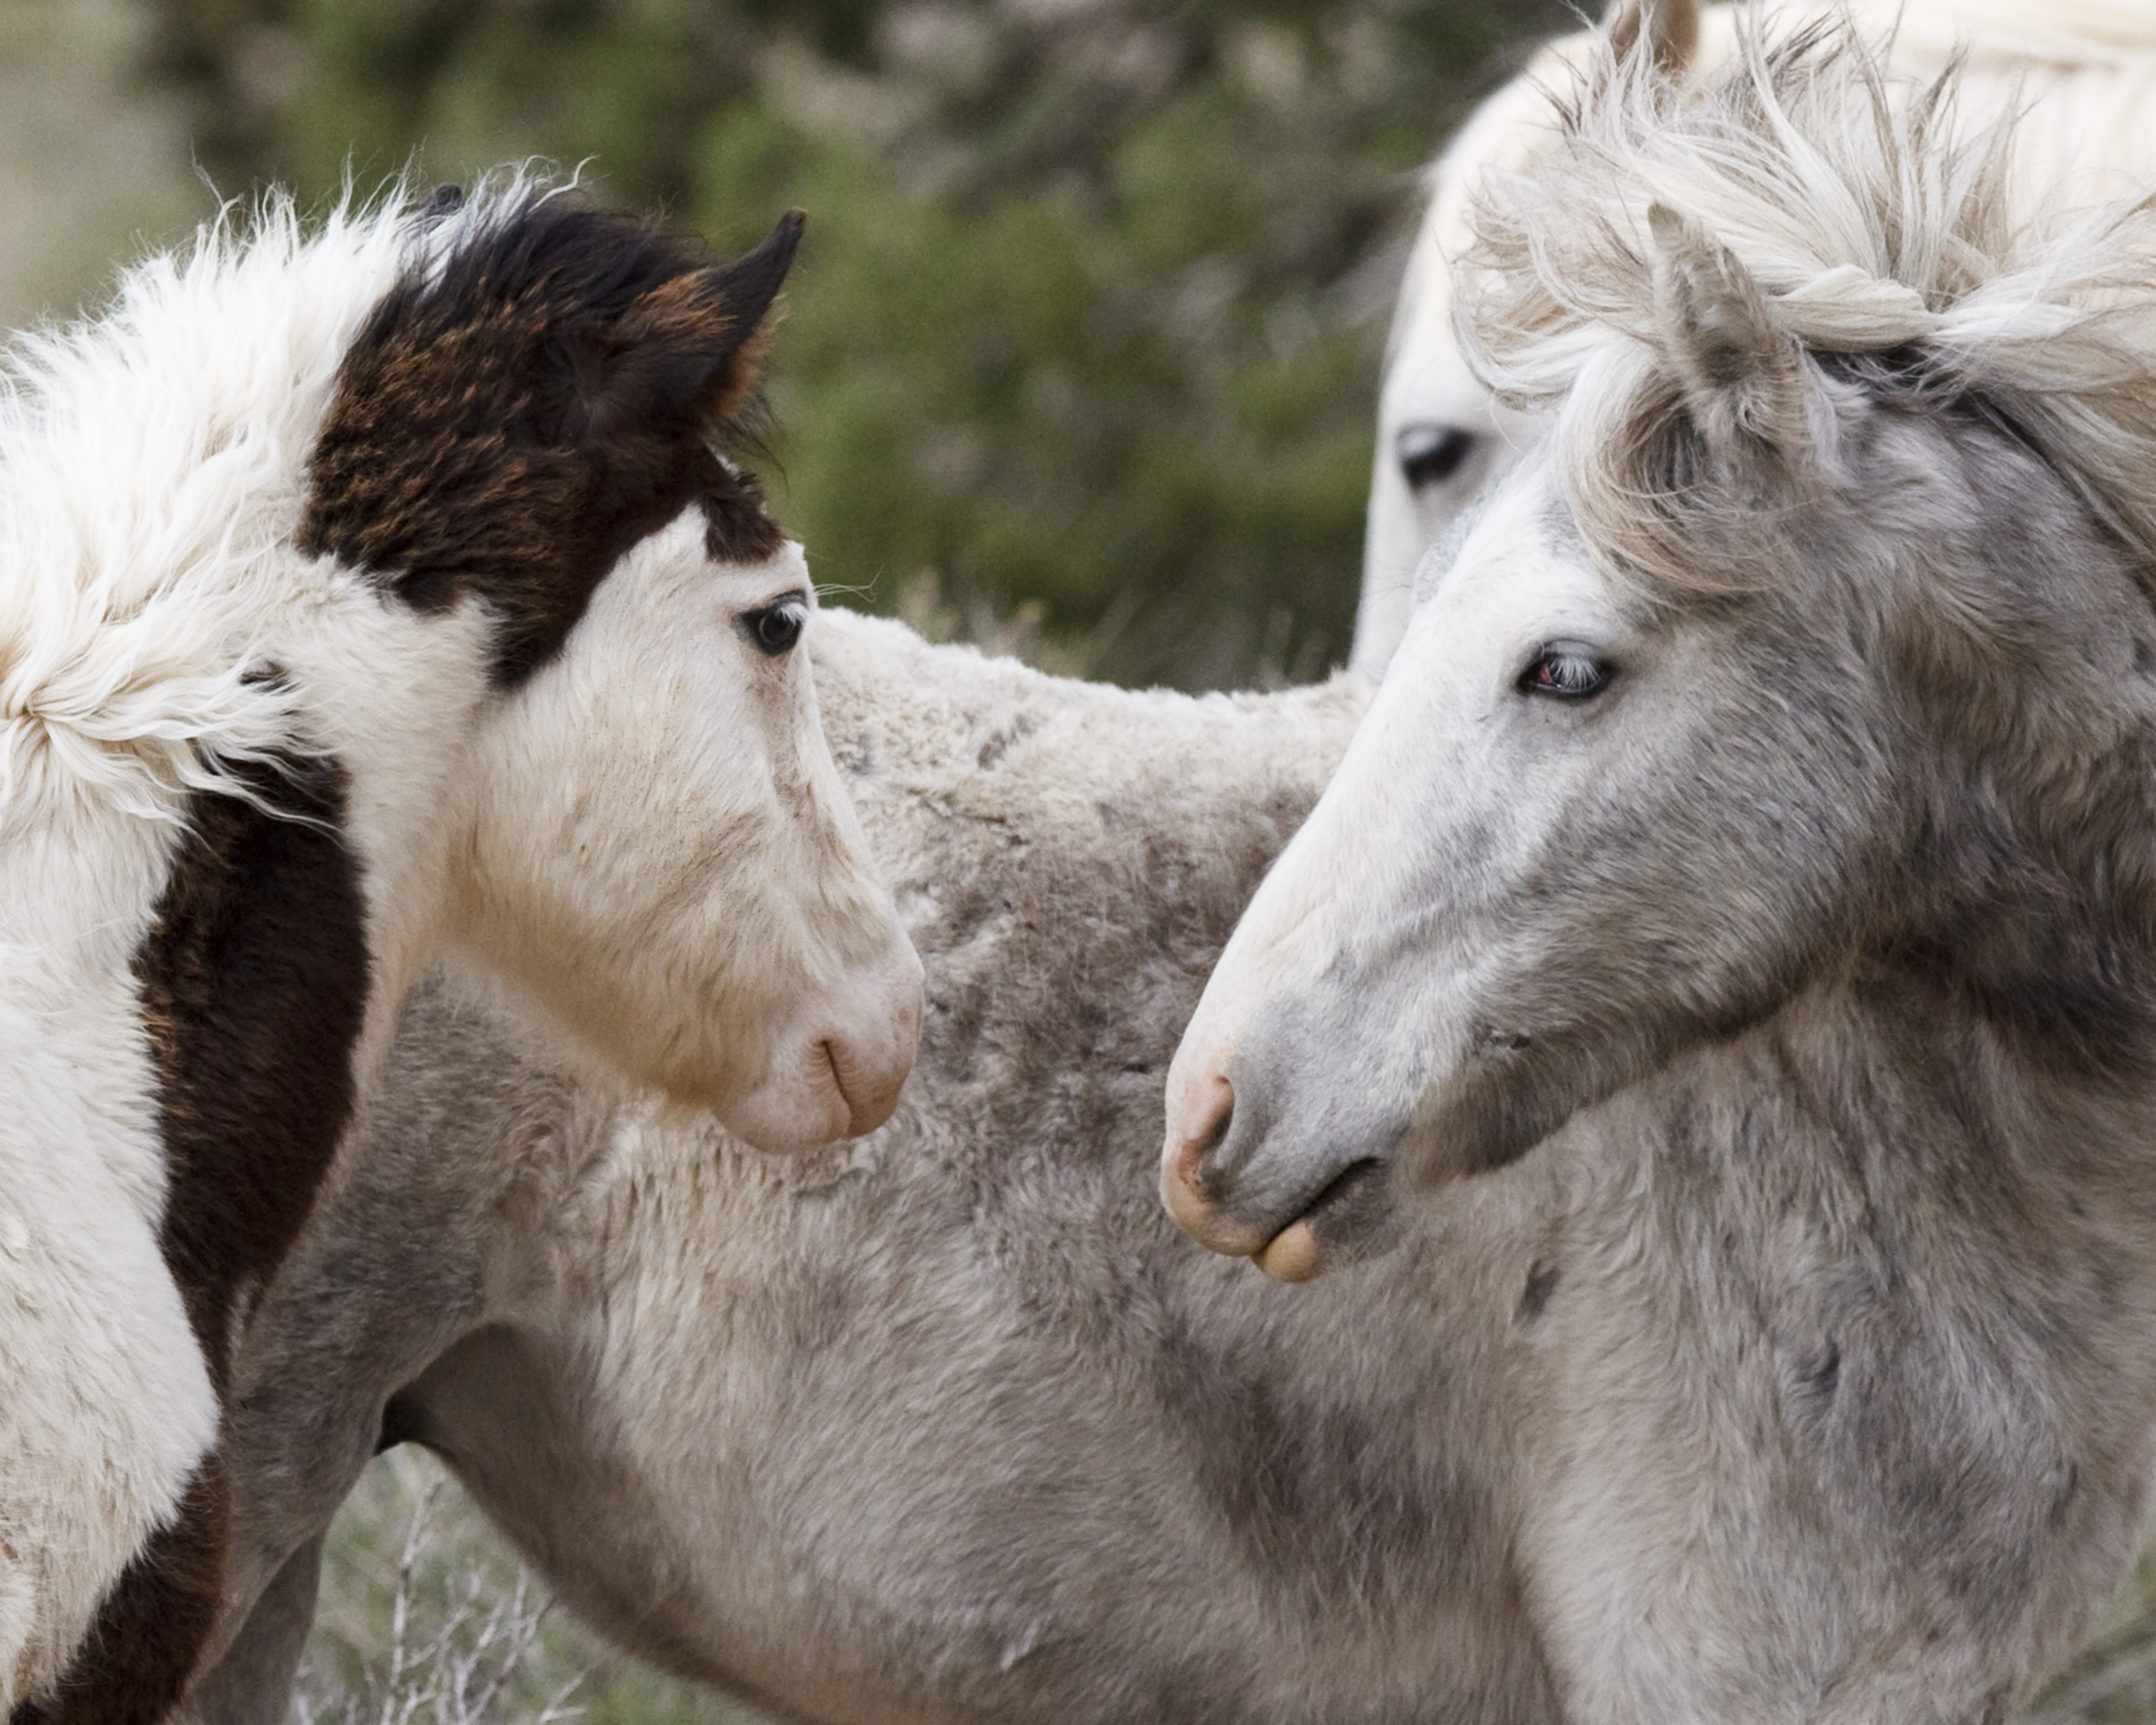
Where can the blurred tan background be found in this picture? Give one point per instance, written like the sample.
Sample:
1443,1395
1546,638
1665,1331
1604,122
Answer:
94,159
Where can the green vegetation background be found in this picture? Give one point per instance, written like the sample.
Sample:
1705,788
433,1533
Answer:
1084,339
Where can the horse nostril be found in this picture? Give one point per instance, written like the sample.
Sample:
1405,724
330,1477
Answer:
1194,1191
1209,1132
1216,1135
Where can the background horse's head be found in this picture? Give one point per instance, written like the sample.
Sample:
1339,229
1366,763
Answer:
1813,647
1444,435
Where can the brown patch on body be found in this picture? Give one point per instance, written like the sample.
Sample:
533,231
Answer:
253,980
134,1668
254,984
512,422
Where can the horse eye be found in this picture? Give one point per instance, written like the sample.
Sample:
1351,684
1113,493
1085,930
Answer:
1430,455
1565,672
774,629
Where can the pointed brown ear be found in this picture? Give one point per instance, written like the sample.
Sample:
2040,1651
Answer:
694,347
510,420
1670,29
1741,374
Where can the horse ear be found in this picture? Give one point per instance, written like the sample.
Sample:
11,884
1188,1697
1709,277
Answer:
1743,376
694,347
1670,28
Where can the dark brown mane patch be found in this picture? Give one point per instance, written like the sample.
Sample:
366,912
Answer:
514,418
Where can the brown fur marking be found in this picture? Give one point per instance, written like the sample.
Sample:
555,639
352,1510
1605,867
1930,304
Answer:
509,425
135,1666
253,980
254,984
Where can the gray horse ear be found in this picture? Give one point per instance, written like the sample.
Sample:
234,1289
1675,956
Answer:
1741,374
1669,29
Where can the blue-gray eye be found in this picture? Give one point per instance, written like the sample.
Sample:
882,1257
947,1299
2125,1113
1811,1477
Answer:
1564,671
774,629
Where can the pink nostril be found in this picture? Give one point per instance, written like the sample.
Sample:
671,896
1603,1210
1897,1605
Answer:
867,1091
1199,1126
1204,1131
855,1113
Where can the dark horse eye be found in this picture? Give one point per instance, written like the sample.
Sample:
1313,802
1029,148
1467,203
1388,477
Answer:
1565,672
1430,455
774,629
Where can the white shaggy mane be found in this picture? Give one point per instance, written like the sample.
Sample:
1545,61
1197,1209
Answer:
1874,221
152,465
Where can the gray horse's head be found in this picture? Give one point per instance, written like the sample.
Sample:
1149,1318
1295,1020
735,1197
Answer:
1814,647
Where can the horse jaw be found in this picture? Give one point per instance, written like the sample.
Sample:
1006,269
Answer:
736,951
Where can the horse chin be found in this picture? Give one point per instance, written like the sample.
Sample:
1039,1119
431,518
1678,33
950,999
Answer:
1292,1255
1354,1218
787,1115
837,1070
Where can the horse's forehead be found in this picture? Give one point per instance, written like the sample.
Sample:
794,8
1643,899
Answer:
1429,375
1519,544
469,451
677,560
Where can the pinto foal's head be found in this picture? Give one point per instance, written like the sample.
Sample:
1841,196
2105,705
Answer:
1811,651
418,526
652,843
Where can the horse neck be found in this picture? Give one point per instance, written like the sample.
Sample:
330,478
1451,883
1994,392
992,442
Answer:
1069,858
155,621
1896,1116
1868,1263
2064,33
1081,772
394,695
95,862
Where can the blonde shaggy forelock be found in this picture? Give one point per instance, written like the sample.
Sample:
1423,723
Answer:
1872,218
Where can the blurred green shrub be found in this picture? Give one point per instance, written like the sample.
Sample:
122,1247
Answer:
1092,305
